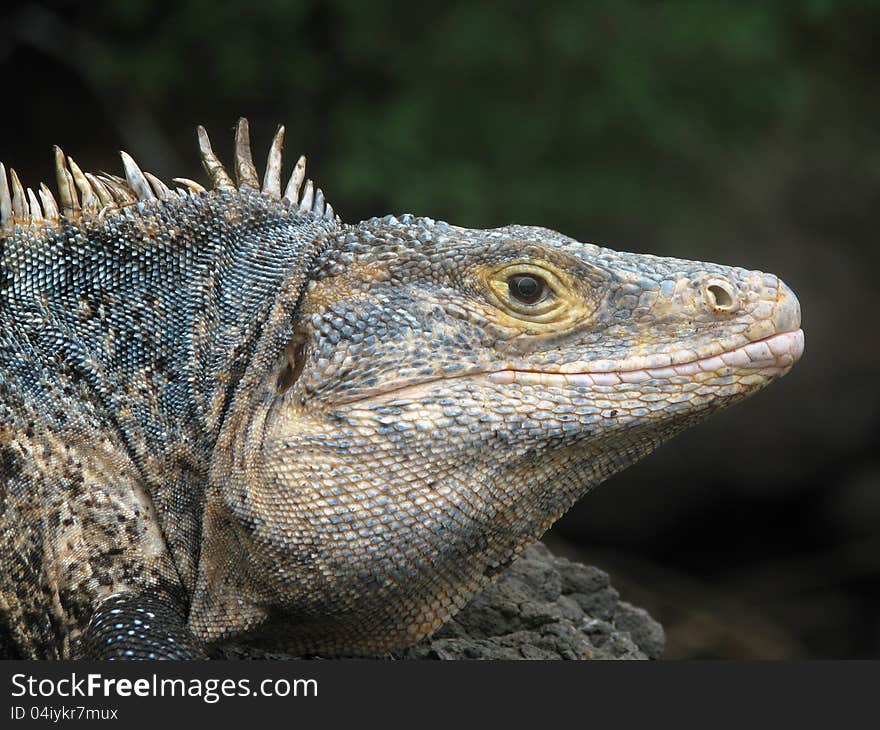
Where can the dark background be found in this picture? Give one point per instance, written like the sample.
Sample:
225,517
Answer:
745,133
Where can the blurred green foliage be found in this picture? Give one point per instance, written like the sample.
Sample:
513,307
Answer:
611,112
560,111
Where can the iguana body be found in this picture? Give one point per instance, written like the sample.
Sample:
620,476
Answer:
227,415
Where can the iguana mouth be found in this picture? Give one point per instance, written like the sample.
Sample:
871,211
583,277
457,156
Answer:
770,356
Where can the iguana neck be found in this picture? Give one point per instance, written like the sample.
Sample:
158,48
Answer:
160,309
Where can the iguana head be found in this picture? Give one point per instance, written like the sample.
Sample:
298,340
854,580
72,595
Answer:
448,393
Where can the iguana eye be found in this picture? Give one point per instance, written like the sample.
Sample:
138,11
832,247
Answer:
528,291
527,288
536,294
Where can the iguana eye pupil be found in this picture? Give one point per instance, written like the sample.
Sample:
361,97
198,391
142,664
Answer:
527,288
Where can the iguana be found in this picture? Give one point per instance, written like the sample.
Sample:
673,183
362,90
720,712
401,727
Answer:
227,415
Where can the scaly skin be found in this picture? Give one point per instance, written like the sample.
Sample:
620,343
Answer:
344,431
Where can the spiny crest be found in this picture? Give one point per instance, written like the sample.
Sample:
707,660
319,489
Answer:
86,196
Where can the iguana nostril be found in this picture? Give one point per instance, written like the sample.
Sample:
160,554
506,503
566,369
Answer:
721,296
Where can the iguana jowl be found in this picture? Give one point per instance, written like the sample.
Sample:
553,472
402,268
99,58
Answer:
225,414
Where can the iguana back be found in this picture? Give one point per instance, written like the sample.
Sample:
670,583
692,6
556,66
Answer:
126,320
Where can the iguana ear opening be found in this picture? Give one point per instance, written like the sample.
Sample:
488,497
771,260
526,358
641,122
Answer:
292,367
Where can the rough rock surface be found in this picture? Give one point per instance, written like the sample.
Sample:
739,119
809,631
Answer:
541,607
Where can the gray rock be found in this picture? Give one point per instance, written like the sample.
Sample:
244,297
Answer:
541,607
545,607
